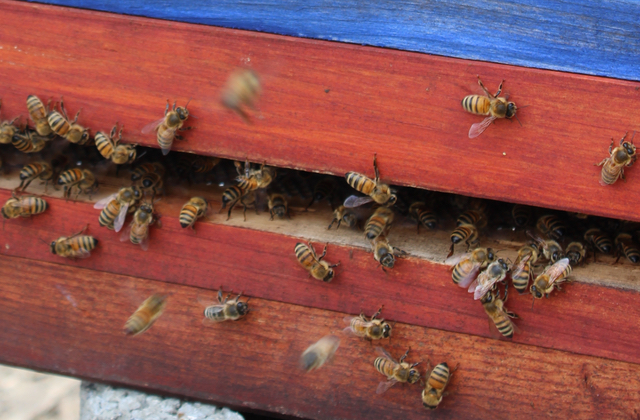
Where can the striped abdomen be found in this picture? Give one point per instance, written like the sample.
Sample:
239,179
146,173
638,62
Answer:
461,270
305,256
38,114
109,213
32,205
152,182
142,170
467,233
360,182
358,326
324,188
104,145
81,242
28,142
139,232
469,217
476,104
521,215
378,223
521,280
631,252
34,170
247,184
277,206
231,195
611,171
165,137
202,164
427,218
551,226
59,124
385,366
599,240
439,377
504,324
191,211
71,177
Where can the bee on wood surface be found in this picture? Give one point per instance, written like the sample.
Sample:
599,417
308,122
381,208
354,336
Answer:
426,217
372,329
69,130
323,190
376,191
317,268
75,246
116,207
551,226
224,309
625,246
394,371
319,353
522,215
168,126
138,231
39,113
552,276
278,206
551,249
145,168
23,206
489,105
193,209
35,170
29,141
621,156
144,317
437,381
576,252
7,129
465,267
379,223
110,147
343,214
486,280
242,91
521,271
599,241
498,314
82,179
467,233
384,253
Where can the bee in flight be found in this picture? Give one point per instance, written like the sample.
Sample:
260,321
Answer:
465,267
486,280
372,329
69,130
168,126
75,246
224,309
193,209
138,231
116,206
613,166
110,147
242,90
23,206
35,170
376,191
342,214
39,113
317,268
499,316
551,278
489,105
394,371
437,382
144,317
319,353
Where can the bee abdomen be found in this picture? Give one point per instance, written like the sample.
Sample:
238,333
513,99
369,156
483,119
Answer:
303,254
383,366
360,182
505,327
459,271
213,314
188,215
374,227
428,219
108,214
521,281
470,217
84,242
231,195
58,124
439,376
103,143
463,232
35,106
476,104
35,205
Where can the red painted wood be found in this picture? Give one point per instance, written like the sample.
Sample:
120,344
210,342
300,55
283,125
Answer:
591,320
328,106
69,320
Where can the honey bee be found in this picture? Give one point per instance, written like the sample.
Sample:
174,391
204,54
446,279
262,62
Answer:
551,226
7,129
394,371
521,271
145,168
168,126
489,105
75,246
35,170
551,249
323,190
278,206
467,266
23,206
372,329
83,179
521,215
232,196
498,314
69,130
599,241
116,207
144,317
380,193
472,217
576,252
39,113
319,353
317,268
29,141
248,182
194,209
437,381
110,147
426,217
613,166
204,164
383,252
552,276
486,280
467,233
242,90
379,223
625,246
151,182
138,231
342,214
224,309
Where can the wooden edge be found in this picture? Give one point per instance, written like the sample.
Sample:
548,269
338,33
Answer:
328,107
584,319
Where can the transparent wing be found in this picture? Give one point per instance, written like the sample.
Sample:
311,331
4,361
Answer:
216,309
119,222
471,276
144,242
484,283
478,128
383,353
206,302
126,234
105,201
349,330
355,201
555,271
152,126
384,386
521,263
81,253
454,260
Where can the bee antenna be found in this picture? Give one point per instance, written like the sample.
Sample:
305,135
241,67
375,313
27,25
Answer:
185,107
534,301
518,120
523,106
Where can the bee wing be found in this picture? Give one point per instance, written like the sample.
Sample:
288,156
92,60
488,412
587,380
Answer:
452,261
470,277
217,309
144,242
517,270
478,128
383,353
482,285
206,303
119,222
82,253
385,385
166,151
152,126
555,271
105,201
355,201
126,234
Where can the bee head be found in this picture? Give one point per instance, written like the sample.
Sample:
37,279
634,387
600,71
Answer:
535,292
329,276
242,308
183,113
490,255
53,247
630,148
511,110
387,260
85,136
414,375
392,200
488,298
386,330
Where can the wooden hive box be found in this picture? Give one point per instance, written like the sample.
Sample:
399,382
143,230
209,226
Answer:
327,108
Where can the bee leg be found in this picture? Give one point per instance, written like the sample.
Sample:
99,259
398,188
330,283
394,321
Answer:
76,117
499,90
335,265
174,105
601,163
377,313
166,110
324,252
622,175
220,295
404,356
375,167
271,212
62,109
484,88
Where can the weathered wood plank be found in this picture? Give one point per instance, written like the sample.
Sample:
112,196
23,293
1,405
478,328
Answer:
598,38
69,319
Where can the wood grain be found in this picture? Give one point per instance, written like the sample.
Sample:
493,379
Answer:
69,319
263,264
601,39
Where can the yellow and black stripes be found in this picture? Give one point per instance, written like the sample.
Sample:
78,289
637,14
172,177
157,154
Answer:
476,104
360,182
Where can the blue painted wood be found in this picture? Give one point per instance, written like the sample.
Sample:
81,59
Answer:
598,38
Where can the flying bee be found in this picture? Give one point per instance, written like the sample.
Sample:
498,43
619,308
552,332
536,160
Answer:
576,252
384,253
138,231
467,233
486,280
467,266
376,191
75,246
23,206
317,268
394,371
29,141
323,190
116,206
426,217
145,168
551,226
498,314
437,381
379,223
599,241
521,271
224,309
521,215
39,113
35,170
372,329
489,105
144,317
551,249
625,246
69,130
194,209
613,166
472,217
151,182
82,179
319,353
278,206
242,90
168,126
110,147
552,276
342,214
